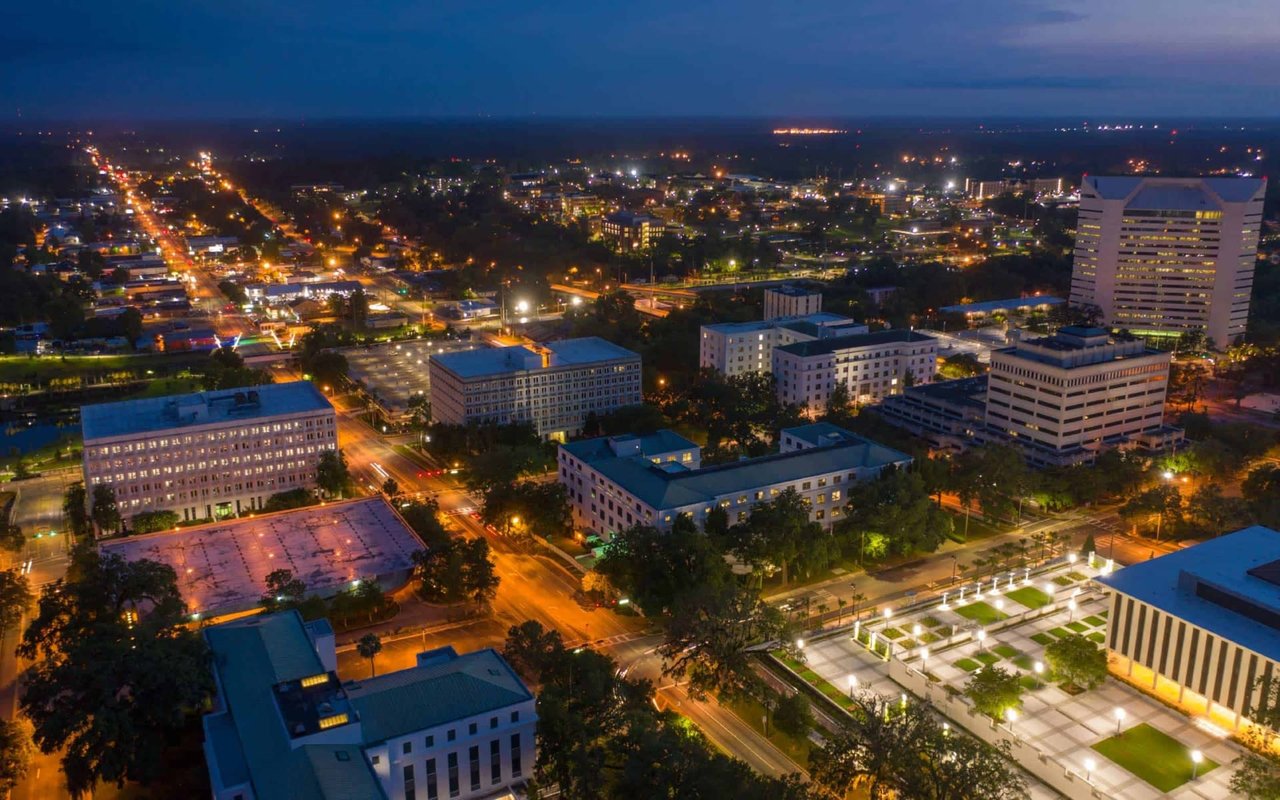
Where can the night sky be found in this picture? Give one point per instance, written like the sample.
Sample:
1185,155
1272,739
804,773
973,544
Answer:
802,59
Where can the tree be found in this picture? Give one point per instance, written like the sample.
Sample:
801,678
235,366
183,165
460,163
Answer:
793,715
1261,490
332,476
105,513
533,651
1213,513
896,504
12,539
780,535
293,498
283,591
15,598
707,634
16,752
116,671
993,690
455,569
152,521
1164,503
1077,661
1257,775
391,488
75,507
369,646
1089,545
996,476
654,568
326,368
479,580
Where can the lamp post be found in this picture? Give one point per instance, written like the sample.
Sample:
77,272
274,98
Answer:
1010,715
1089,764
982,638
1196,758
1120,715
853,684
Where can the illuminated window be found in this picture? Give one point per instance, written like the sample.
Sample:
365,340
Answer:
333,722
315,680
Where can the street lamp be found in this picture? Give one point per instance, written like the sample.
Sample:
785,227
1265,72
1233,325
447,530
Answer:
1120,715
853,684
888,612
1010,715
1196,758
982,638
799,644
1089,765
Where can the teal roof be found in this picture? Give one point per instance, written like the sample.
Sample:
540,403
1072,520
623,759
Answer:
651,444
663,489
425,697
1241,569
827,346
148,414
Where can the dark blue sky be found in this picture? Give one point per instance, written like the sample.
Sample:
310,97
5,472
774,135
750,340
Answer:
68,59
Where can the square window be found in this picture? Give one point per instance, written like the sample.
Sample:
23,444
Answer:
453,734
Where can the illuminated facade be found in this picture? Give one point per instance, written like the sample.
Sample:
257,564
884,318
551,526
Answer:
1168,256
871,366
1200,627
1065,397
209,454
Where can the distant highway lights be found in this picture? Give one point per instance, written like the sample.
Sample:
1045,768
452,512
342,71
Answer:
1196,758
1089,766
1120,715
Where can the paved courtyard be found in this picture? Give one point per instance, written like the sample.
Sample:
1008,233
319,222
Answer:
1010,627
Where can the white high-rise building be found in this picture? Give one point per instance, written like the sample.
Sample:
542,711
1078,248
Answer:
871,366
1167,256
209,454
553,388
1064,398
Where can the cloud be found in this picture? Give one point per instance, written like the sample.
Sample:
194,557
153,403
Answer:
1025,82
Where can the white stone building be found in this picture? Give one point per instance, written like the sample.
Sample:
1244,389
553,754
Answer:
618,481
735,348
789,300
1167,256
553,388
208,454
1065,397
284,727
871,366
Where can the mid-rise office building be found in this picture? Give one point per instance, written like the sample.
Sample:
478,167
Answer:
1200,627
734,348
950,415
628,230
871,366
553,387
790,300
1168,256
208,454
284,727
1065,397
616,482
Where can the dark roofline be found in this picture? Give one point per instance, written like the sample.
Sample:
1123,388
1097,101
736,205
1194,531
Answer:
823,346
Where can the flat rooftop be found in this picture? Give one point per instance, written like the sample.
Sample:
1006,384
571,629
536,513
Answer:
1012,304
827,346
792,291
222,567
806,321
519,358
962,391
1227,563
154,414
1180,194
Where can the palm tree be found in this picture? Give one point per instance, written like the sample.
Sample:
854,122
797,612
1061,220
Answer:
369,646
857,598
840,604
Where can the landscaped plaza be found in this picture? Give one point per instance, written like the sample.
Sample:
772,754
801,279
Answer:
1109,741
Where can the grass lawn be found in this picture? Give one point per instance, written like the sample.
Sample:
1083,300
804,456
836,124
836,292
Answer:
1041,638
1078,627
977,528
1063,580
1023,661
814,679
891,633
1077,576
931,622
1104,614
1029,682
987,658
928,638
751,712
1029,596
1097,636
1093,621
981,612
1153,756
1061,633
967,664
1008,651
